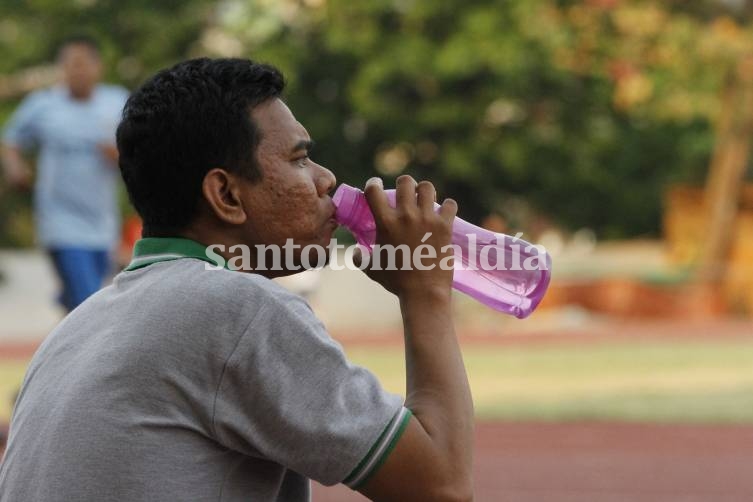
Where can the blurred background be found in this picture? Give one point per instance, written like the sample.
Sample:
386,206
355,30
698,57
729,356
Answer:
616,133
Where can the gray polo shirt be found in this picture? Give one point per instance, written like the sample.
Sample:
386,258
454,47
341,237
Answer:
179,383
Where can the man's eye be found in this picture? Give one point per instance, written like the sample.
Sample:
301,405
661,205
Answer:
303,161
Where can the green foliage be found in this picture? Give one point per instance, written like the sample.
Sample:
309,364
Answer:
137,36
579,113
503,102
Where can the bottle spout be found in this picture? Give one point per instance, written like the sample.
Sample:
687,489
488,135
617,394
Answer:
352,211
342,199
346,201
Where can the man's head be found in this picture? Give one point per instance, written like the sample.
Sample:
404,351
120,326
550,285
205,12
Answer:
209,151
81,66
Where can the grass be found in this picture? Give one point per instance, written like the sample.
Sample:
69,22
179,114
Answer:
11,375
706,381
679,381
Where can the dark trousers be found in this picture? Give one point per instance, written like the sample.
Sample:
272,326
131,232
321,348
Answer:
81,271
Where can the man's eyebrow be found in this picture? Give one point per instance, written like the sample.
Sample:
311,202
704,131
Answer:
304,144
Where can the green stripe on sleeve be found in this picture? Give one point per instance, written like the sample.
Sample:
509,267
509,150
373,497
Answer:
380,450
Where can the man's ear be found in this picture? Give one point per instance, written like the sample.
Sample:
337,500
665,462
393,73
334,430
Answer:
222,193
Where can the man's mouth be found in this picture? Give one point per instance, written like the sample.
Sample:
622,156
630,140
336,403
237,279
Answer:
333,217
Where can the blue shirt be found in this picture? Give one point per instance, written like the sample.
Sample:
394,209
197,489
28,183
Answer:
75,197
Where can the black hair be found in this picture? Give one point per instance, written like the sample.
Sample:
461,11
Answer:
87,41
183,122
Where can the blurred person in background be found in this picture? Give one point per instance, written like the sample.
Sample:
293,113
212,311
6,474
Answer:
71,126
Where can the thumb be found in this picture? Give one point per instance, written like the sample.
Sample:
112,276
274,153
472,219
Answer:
357,257
361,260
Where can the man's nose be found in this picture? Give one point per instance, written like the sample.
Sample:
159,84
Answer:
327,180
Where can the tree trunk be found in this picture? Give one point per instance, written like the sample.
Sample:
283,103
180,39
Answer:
730,158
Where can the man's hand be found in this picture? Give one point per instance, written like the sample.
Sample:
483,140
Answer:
20,179
17,173
433,459
412,223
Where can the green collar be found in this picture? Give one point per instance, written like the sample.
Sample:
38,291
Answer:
155,249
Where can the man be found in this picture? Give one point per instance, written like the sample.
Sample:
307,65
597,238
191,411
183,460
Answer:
73,128
183,382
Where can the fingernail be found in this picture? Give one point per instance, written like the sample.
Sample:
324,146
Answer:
376,180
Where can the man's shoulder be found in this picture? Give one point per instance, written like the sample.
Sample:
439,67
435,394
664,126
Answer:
204,308
44,96
112,92
210,288
251,286
112,89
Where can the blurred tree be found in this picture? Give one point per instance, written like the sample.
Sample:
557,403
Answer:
138,36
580,111
583,110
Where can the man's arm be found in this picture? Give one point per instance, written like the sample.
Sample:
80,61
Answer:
15,168
21,133
433,458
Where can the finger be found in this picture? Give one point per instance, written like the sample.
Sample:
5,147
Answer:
406,192
357,257
448,210
362,262
426,196
377,199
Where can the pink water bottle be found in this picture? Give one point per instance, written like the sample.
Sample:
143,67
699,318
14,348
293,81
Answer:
506,273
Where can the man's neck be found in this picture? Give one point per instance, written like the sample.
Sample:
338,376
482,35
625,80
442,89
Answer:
81,95
222,243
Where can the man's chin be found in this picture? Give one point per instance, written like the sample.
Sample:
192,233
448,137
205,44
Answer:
279,261
317,258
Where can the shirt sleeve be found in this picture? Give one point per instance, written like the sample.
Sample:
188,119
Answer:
22,129
288,394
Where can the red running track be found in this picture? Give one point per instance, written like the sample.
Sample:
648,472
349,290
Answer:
602,462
